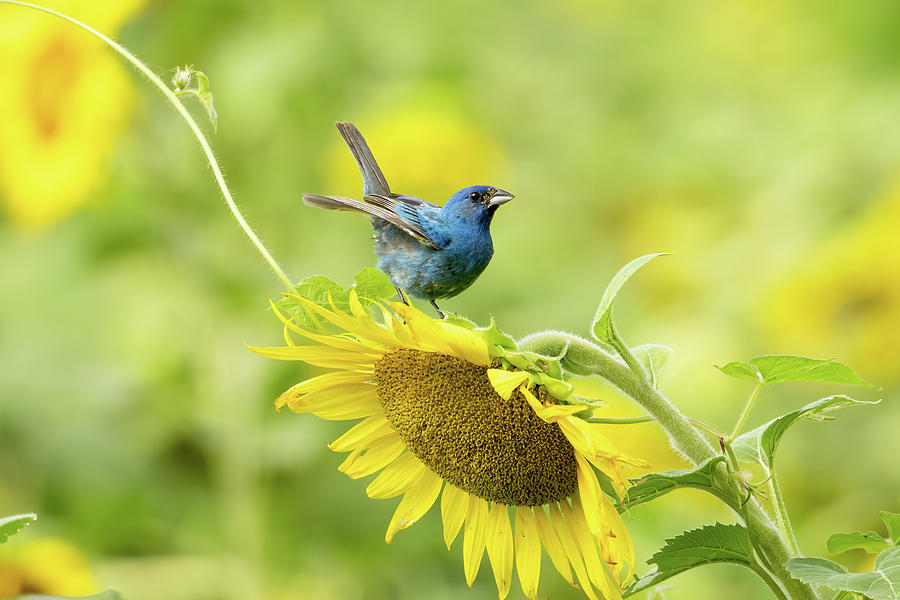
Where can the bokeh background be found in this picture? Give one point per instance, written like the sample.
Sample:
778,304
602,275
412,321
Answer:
759,140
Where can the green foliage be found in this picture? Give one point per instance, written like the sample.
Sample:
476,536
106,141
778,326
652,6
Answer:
892,522
771,369
182,82
106,595
652,486
602,327
870,541
760,444
883,583
370,284
9,526
709,544
654,358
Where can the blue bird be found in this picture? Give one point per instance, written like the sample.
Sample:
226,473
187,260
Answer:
430,251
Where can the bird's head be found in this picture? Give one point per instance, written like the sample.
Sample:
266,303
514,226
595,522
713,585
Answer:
478,202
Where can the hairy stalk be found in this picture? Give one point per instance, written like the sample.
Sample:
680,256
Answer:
781,514
171,97
582,357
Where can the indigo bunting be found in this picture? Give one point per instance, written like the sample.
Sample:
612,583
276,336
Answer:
430,251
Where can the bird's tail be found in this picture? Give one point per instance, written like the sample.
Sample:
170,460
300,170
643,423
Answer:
373,179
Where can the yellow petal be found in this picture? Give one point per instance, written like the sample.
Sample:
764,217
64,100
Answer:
550,413
552,545
365,461
505,382
574,518
335,341
319,356
473,537
370,331
339,407
337,379
589,490
528,551
396,478
454,502
500,547
435,336
618,540
363,434
567,539
416,502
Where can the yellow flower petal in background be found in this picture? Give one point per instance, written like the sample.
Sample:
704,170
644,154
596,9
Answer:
474,537
47,566
72,100
431,165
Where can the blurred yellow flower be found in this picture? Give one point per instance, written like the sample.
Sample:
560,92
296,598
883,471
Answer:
47,566
64,100
845,296
423,152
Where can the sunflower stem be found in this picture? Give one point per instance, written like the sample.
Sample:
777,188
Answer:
171,97
582,357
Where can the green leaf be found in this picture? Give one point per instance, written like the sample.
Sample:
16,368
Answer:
710,544
106,595
654,357
772,369
602,325
759,445
870,541
892,522
654,485
373,285
12,525
883,583
181,82
741,370
316,289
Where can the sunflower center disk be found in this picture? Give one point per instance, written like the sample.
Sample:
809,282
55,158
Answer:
448,414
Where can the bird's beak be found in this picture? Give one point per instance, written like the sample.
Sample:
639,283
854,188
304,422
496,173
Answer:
500,197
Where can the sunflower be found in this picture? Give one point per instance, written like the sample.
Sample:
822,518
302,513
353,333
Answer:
459,413
66,100
46,566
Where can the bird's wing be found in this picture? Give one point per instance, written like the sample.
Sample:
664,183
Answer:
412,226
373,179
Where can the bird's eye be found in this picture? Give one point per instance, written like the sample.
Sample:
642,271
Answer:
475,196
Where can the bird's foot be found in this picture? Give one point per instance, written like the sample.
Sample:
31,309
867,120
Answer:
402,295
438,309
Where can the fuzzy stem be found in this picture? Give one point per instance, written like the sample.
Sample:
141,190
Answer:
171,97
582,357
781,514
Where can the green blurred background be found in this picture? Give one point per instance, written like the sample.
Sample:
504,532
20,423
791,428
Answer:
757,139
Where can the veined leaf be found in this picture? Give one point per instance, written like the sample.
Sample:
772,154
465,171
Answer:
892,522
772,369
654,485
870,541
602,325
9,526
372,284
883,583
710,544
654,357
760,444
